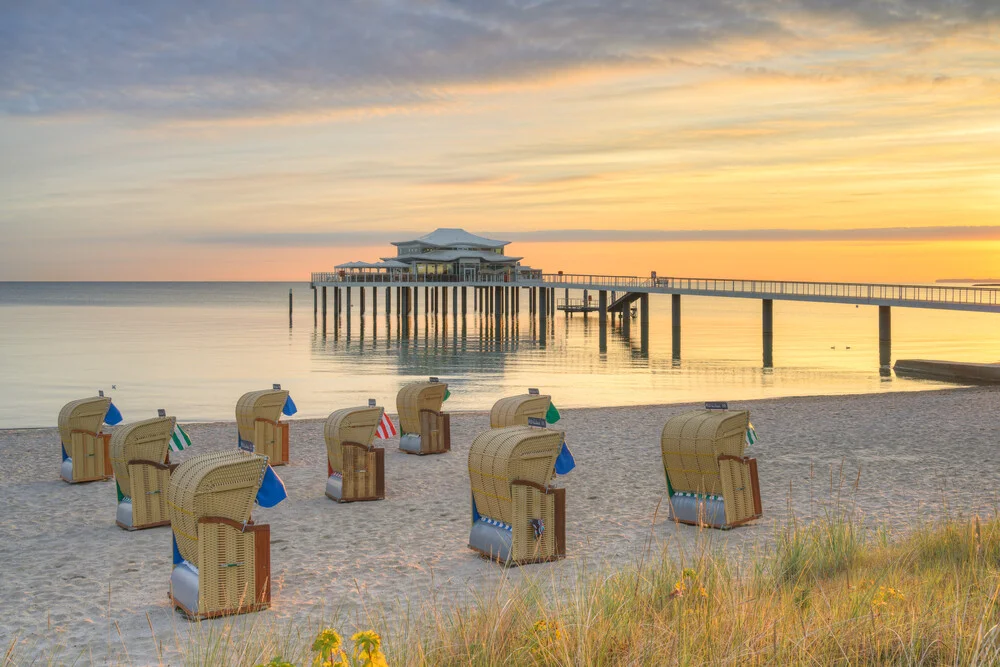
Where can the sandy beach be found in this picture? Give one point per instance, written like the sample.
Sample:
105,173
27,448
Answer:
76,587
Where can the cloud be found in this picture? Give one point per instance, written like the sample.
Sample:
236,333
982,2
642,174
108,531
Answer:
197,59
366,239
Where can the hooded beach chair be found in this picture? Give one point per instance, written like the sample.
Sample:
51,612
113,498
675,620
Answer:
709,480
515,410
355,469
85,455
257,415
424,429
516,517
222,560
141,461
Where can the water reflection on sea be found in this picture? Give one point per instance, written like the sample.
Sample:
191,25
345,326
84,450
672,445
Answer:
193,348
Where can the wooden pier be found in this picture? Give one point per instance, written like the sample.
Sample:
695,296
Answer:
499,297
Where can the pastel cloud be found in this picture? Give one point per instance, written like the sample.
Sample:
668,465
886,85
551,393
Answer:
193,59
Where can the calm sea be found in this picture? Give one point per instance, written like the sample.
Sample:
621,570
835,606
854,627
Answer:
194,348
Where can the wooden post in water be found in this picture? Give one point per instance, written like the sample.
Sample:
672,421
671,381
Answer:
444,301
627,321
602,318
543,318
884,340
388,301
315,303
767,319
464,304
374,303
324,308
289,309
644,324
361,304
675,318
347,313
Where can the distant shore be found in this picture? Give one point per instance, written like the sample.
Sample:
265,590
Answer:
72,576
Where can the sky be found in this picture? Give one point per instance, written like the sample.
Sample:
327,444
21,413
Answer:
773,139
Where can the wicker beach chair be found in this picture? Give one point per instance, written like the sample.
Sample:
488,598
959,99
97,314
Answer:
424,429
222,560
141,460
709,480
257,415
355,469
515,410
516,517
85,448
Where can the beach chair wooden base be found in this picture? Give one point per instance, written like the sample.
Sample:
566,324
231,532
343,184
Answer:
235,572
535,507
740,503
435,434
148,506
271,440
89,458
363,477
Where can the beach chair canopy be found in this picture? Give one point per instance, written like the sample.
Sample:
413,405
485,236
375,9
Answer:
147,440
254,405
222,484
692,442
86,414
355,425
515,410
413,398
500,456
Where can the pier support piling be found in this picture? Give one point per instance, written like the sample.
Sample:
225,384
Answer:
324,308
675,317
884,339
361,300
388,301
644,323
464,300
602,319
543,320
767,319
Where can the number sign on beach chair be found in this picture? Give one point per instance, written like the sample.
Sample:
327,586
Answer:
424,428
355,469
516,517
141,461
260,432
222,559
85,456
709,480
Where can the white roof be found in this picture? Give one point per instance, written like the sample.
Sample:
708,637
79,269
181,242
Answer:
445,237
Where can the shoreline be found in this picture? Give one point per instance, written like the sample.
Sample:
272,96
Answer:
680,404
72,575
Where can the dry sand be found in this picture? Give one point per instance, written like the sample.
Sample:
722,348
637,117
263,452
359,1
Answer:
70,580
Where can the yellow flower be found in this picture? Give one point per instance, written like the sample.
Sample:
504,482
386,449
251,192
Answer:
368,649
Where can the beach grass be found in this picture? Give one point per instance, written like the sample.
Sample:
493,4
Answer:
830,591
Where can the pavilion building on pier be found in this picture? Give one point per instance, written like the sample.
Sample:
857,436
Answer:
447,254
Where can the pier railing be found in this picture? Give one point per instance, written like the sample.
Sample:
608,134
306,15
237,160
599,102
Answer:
932,296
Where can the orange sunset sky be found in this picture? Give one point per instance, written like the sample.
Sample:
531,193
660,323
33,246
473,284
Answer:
796,139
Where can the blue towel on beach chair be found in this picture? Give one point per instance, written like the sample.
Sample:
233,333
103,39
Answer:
289,408
114,416
565,462
272,489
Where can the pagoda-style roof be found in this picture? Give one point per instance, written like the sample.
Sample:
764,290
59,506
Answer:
453,255
449,237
